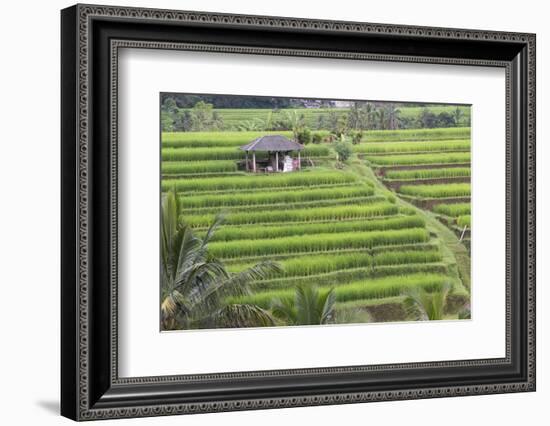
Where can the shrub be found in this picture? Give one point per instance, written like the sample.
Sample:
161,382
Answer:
303,136
343,150
317,138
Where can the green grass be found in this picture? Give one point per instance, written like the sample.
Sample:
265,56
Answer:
274,197
427,146
299,215
419,159
453,210
437,191
258,181
450,172
230,233
376,288
317,243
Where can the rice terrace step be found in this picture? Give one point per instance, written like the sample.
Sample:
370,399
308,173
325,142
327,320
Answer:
335,211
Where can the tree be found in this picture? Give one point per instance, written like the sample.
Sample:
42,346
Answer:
423,306
256,124
358,116
333,120
195,285
388,117
356,137
428,119
204,118
343,150
294,122
308,307
458,114
444,119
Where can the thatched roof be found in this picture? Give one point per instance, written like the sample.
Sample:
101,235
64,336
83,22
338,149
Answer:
272,143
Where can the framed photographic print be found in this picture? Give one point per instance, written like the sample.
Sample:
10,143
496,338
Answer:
263,212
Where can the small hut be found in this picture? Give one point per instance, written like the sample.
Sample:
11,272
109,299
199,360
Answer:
279,154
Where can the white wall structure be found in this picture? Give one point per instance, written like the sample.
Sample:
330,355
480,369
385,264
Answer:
30,212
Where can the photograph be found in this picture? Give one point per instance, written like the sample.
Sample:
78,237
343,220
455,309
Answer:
279,211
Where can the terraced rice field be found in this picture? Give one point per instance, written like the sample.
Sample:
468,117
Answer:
432,174
326,226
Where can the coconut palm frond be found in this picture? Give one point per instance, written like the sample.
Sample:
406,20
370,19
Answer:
238,284
421,305
218,221
239,315
194,284
325,305
308,307
285,309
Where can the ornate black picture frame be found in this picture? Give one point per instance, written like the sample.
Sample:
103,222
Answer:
91,36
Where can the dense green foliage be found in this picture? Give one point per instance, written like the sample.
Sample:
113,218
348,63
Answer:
209,112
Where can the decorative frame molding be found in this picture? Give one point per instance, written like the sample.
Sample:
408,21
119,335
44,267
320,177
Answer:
91,37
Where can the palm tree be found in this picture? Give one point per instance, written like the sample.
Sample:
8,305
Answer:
309,306
294,122
195,285
424,306
392,116
458,114
256,124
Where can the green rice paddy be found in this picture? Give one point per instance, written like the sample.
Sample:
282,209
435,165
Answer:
332,227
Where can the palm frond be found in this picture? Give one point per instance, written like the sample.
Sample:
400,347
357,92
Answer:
421,305
239,315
